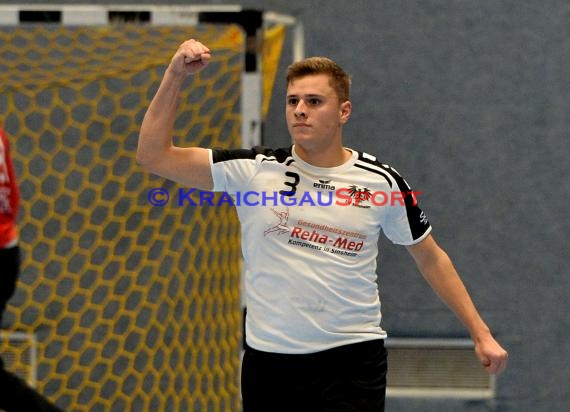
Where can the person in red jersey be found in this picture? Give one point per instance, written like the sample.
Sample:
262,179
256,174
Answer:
15,394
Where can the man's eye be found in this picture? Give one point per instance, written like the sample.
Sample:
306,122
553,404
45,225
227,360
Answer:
314,102
293,102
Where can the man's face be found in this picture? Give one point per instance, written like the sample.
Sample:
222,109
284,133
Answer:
313,111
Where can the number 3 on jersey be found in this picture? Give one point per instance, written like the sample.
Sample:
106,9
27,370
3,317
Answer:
292,184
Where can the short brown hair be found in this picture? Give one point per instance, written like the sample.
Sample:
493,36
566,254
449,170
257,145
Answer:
340,80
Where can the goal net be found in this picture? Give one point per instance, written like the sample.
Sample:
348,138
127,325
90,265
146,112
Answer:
133,306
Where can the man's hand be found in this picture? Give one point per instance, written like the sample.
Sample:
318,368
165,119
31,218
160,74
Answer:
438,270
492,356
191,57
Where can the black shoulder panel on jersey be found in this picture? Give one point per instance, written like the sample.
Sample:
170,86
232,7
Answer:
379,170
418,221
416,217
279,155
222,155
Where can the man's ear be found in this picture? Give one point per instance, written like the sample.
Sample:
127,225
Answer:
345,111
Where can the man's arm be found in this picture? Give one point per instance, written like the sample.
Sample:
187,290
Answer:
189,166
438,270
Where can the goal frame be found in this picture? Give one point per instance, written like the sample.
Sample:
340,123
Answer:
252,21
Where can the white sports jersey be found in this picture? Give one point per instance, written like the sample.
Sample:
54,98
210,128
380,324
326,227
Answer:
309,241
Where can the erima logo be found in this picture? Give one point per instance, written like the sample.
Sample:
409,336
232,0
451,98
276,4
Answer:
324,184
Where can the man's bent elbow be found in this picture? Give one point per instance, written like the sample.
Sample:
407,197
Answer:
145,155
141,160
146,160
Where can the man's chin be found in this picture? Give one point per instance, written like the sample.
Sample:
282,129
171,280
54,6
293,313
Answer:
303,139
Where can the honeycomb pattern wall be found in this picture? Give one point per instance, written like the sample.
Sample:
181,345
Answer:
134,306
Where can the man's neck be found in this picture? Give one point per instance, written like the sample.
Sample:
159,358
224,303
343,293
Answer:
329,157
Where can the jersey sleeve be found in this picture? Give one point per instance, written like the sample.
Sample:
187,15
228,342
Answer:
232,169
405,223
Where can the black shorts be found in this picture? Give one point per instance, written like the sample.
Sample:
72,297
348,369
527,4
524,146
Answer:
10,264
348,378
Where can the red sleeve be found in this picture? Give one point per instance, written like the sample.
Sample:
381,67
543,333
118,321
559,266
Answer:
8,175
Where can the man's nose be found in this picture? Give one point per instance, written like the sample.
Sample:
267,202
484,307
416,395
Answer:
300,110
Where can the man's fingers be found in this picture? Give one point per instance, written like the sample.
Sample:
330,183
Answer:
191,57
193,50
495,366
203,57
